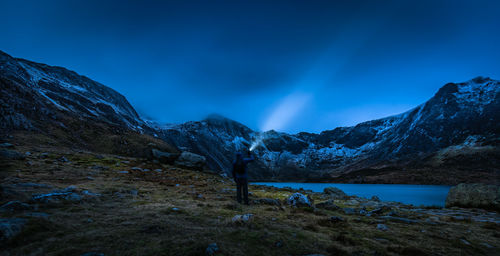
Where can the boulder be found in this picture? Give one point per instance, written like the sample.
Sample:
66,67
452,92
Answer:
328,205
474,196
191,161
11,227
15,206
299,200
11,155
334,193
164,157
211,249
242,219
382,227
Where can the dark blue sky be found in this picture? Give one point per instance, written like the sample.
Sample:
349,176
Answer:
287,65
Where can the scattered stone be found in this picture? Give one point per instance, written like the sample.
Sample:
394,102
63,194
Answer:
57,196
44,155
164,157
328,205
211,249
125,162
474,195
15,206
93,254
242,219
11,154
268,201
352,202
37,215
89,220
175,209
382,227
63,159
90,178
136,169
11,227
146,170
33,185
489,246
191,161
123,172
299,200
336,219
465,241
380,210
350,211
27,153
29,163
158,170
90,194
134,192
375,198
335,193
398,219
278,244
6,145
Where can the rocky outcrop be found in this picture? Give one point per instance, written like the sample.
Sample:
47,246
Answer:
164,157
334,193
474,196
191,161
10,227
299,200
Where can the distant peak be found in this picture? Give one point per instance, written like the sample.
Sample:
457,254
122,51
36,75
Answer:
215,116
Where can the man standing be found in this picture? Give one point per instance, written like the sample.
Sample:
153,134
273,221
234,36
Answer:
240,175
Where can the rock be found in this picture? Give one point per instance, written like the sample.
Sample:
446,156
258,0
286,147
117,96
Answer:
268,201
375,198
380,210
158,170
11,155
487,245
334,193
37,215
6,145
11,227
90,194
15,206
350,211
382,227
123,172
71,188
211,249
93,254
146,170
134,192
465,241
299,200
328,205
63,159
136,169
399,219
242,219
475,196
57,196
164,157
352,202
44,155
191,161
33,185
278,244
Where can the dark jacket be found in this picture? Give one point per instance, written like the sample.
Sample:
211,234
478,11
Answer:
241,160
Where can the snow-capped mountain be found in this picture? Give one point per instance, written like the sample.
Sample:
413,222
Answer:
456,131
55,89
457,114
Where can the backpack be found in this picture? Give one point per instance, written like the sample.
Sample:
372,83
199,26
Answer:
239,168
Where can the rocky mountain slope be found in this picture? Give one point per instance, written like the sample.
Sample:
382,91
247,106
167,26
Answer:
461,117
58,106
451,138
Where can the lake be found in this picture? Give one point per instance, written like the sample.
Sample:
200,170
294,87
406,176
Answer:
428,195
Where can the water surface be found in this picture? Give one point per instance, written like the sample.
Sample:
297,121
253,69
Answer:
428,195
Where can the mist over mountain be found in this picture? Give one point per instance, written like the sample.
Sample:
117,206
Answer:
452,137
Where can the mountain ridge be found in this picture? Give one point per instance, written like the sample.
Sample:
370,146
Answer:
35,94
